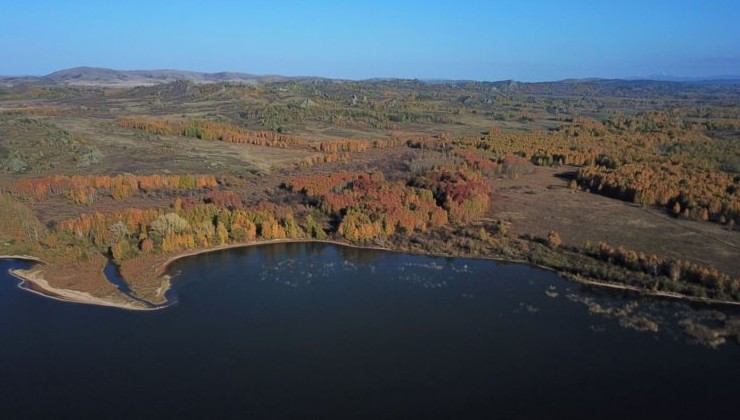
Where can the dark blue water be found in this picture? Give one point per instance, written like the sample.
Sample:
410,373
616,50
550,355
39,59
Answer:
318,331
113,274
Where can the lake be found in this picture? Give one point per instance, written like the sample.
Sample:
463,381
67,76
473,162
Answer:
322,331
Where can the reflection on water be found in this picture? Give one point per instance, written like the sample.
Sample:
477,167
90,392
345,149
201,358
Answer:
321,331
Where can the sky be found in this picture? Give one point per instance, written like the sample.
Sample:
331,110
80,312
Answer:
526,40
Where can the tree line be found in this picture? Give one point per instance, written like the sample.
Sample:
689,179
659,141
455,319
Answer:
82,189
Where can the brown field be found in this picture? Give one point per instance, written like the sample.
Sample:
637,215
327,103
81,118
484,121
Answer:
541,201
129,152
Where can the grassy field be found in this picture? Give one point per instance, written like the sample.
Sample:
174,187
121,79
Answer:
537,203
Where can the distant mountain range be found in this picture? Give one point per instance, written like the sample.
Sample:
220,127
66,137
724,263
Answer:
95,76
669,78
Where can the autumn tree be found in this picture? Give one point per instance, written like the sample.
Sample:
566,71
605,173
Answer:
553,239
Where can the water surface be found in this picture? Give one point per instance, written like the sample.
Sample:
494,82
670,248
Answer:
321,331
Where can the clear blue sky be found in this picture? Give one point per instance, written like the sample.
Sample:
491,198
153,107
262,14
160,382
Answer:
525,40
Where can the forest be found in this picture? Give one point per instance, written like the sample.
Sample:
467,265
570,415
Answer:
614,182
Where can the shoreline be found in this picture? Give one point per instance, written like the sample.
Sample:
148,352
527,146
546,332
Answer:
162,268
35,277
22,257
33,281
653,293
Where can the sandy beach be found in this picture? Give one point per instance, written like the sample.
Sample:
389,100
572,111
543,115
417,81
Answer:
32,280
22,257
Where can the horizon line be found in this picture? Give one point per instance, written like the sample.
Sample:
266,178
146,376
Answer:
657,77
